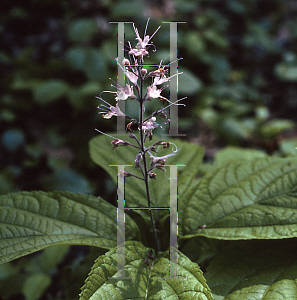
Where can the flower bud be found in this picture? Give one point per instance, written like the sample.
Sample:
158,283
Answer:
131,135
137,160
132,126
143,72
152,148
124,174
152,175
118,142
126,62
165,145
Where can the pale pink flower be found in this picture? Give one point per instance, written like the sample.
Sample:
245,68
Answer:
159,162
124,93
132,77
153,92
149,125
128,71
161,79
141,48
118,142
138,52
109,111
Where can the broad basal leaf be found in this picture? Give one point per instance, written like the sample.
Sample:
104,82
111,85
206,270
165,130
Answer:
148,281
243,200
188,154
254,270
31,221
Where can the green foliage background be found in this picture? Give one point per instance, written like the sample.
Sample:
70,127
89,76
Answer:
240,74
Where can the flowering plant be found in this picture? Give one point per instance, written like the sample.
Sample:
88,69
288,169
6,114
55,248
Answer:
137,75
245,195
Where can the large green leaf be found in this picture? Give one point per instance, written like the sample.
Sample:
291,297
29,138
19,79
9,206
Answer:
254,270
189,154
230,153
243,200
149,282
31,221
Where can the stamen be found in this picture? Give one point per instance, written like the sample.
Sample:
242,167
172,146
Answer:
173,103
146,26
155,32
105,134
103,101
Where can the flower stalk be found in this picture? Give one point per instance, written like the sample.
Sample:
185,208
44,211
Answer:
134,70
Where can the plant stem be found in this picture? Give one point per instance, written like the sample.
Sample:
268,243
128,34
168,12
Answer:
143,152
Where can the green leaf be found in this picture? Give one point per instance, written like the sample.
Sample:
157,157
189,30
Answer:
254,270
220,68
76,57
233,128
35,285
288,146
95,66
89,60
286,71
126,9
66,180
273,128
48,260
236,153
31,221
82,30
189,154
12,139
215,37
188,83
195,42
50,90
243,200
149,282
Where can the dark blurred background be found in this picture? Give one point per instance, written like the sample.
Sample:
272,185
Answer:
240,73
